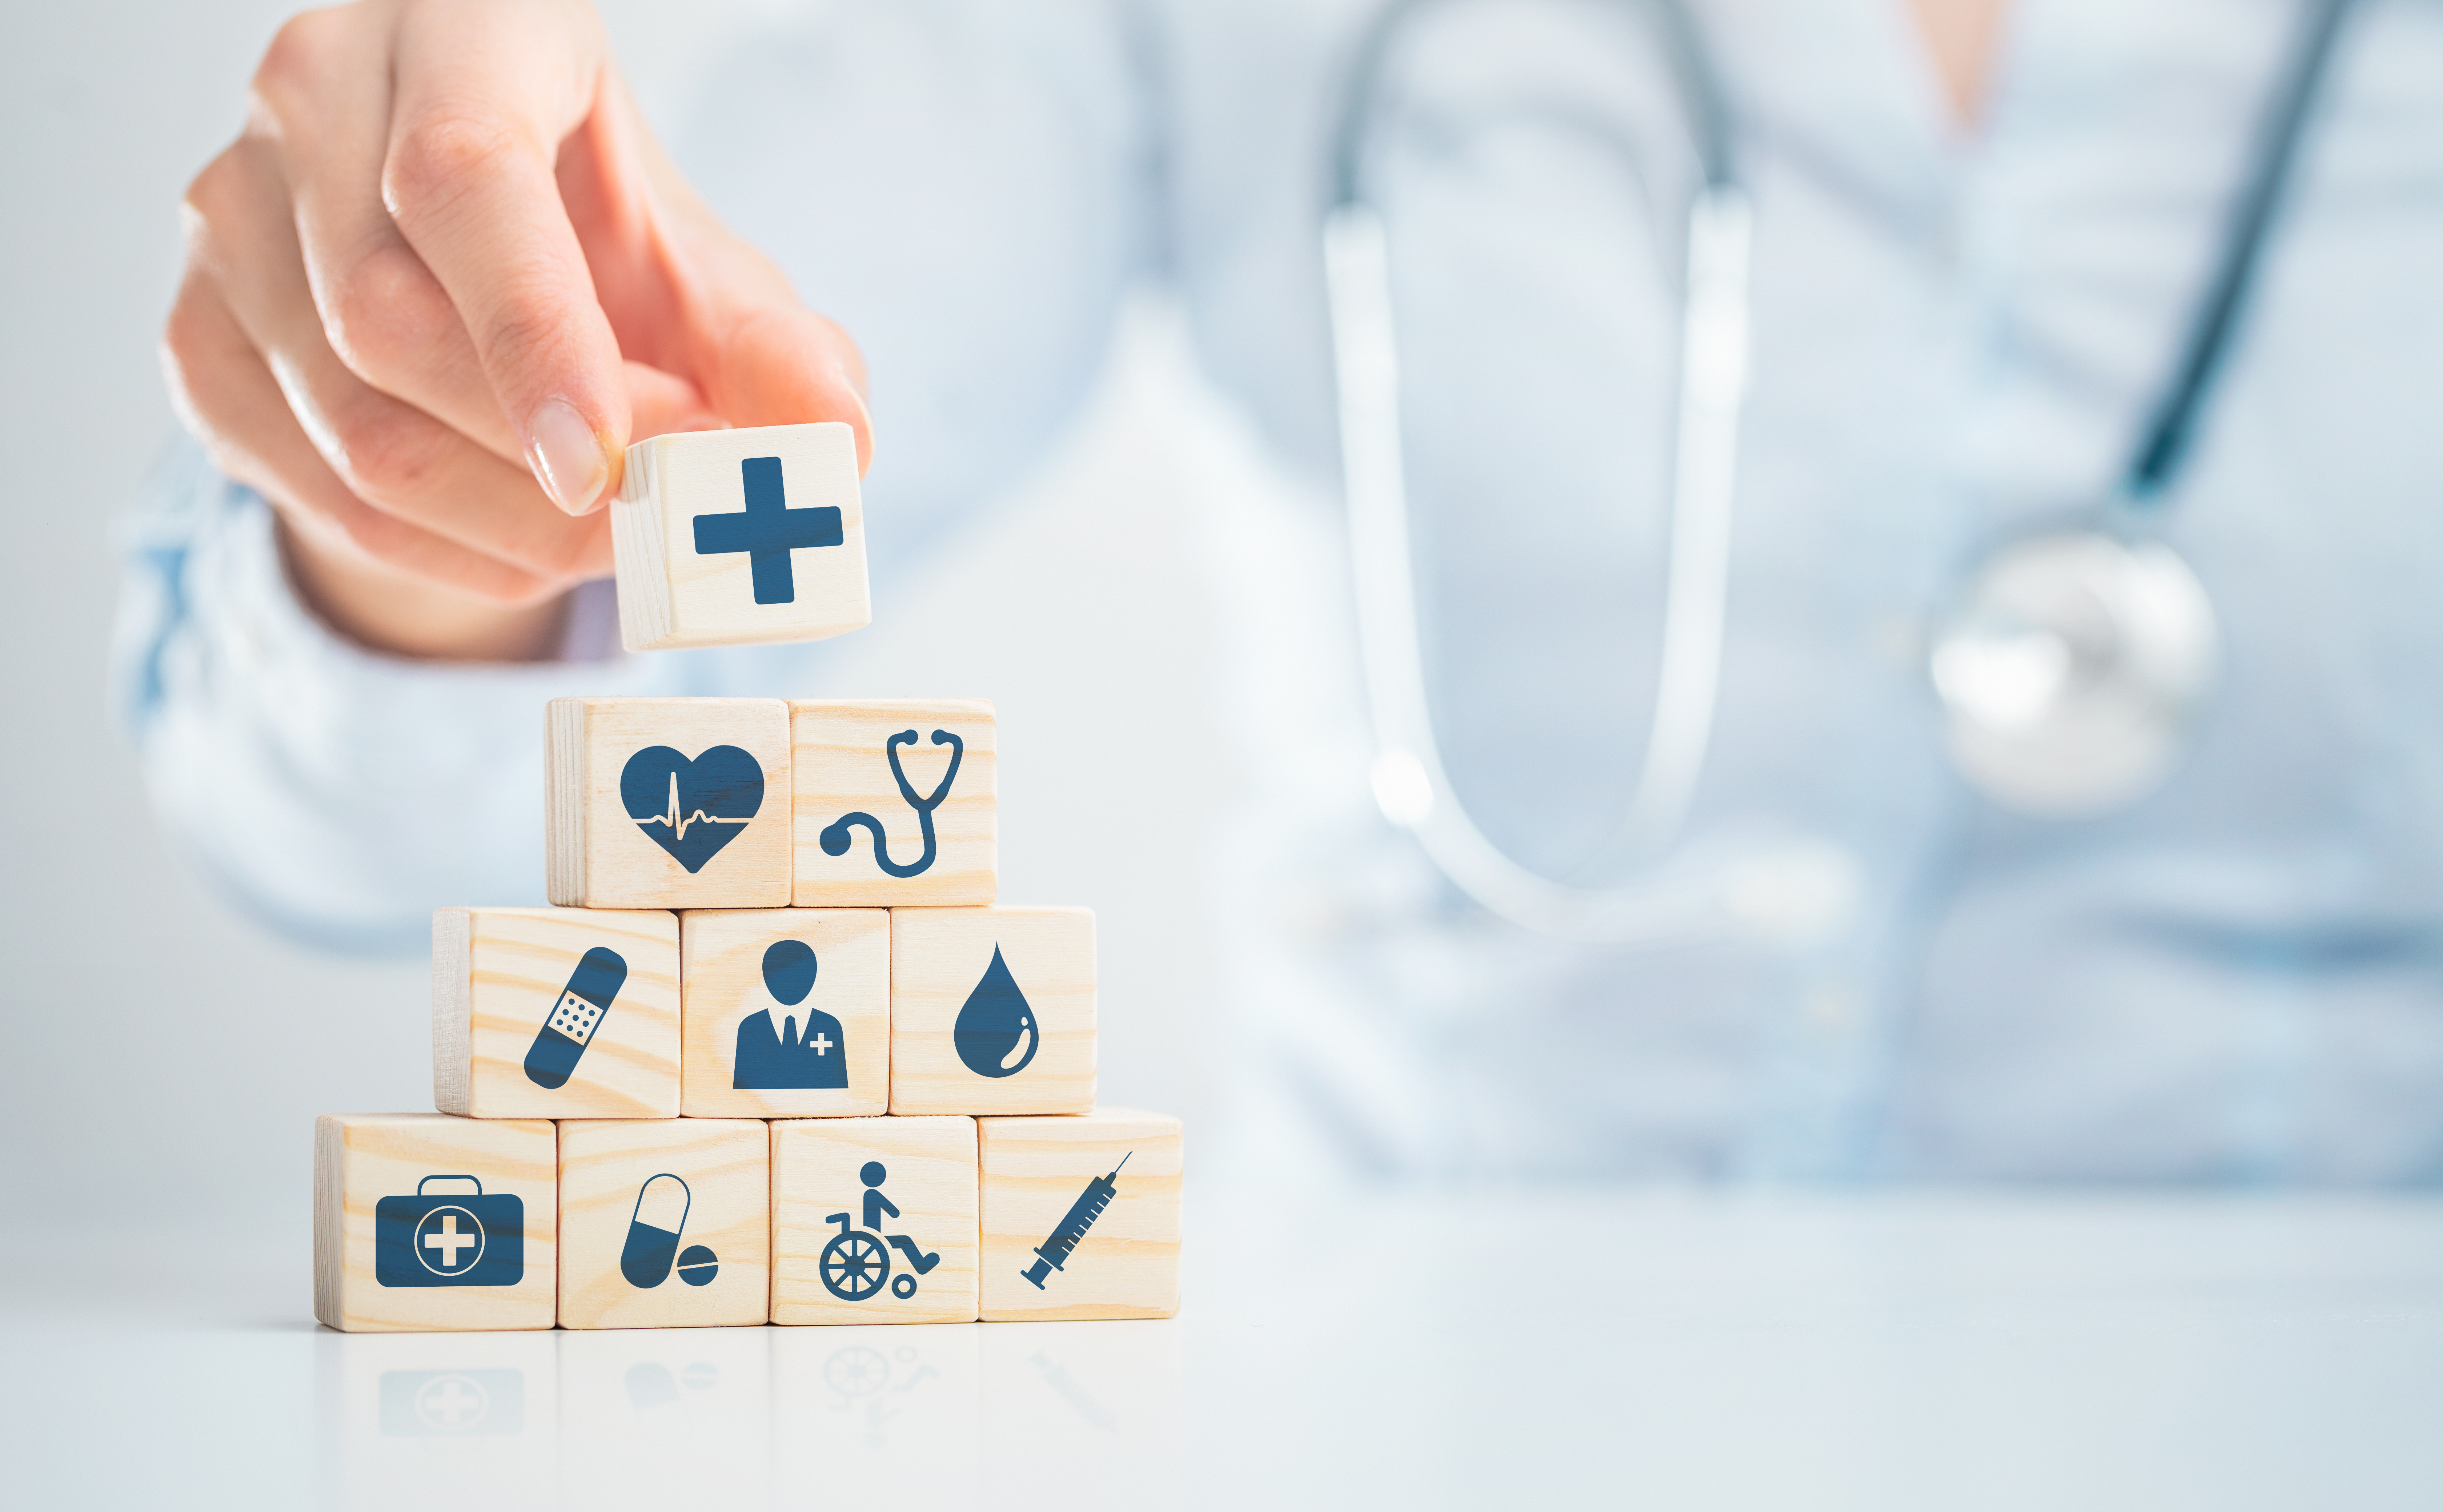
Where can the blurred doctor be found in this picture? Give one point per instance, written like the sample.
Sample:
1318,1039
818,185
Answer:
445,275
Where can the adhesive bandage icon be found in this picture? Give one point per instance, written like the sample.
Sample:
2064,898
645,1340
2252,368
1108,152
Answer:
591,987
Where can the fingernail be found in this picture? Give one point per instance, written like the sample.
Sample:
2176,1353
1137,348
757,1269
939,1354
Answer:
566,458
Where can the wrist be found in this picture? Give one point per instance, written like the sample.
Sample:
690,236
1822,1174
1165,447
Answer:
396,615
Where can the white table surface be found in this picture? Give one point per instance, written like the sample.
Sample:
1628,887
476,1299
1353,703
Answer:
1480,1348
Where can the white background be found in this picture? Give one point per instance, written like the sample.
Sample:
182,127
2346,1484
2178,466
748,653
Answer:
165,1057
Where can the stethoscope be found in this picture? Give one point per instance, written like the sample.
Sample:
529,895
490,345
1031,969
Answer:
2072,665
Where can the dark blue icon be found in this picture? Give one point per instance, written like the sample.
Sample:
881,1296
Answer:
855,1264
994,1022
452,1403
770,1060
653,1232
836,838
573,1019
1053,1255
455,1240
692,808
767,531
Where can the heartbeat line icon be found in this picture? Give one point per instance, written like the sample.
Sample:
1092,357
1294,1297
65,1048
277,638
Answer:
670,815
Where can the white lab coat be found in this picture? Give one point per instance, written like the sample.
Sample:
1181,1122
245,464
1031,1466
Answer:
2240,980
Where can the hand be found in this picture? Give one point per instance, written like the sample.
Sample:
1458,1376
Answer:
432,292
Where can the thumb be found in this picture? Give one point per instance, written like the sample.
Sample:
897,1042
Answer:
776,363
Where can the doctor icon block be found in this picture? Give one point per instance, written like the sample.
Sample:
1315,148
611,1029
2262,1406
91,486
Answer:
556,1012
785,1012
1081,1216
664,1223
895,803
992,1011
724,538
666,803
429,1223
874,1220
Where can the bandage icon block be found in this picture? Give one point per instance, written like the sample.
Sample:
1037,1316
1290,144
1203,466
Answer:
724,537
785,1012
992,1011
664,1223
1080,1216
426,1221
667,803
556,1012
895,803
874,1220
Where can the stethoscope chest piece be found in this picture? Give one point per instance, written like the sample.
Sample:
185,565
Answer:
2072,669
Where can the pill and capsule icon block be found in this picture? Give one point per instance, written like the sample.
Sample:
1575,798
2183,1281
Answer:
665,1223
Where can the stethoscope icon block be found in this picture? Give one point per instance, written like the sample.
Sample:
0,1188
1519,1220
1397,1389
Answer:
894,803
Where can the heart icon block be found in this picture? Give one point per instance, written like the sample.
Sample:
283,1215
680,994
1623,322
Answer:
692,808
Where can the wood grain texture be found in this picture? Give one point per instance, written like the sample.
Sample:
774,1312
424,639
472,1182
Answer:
840,761
720,952
603,1167
939,955
600,856
1034,1171
672,595
929,1173
497,978
361,1158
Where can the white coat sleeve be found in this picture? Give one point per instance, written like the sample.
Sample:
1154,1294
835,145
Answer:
963,191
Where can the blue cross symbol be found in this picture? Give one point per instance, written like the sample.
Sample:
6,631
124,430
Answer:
767,531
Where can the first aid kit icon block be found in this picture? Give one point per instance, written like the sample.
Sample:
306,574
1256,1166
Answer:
874,1220
664,1223
992,1011
426,1221
786,1012
556,1012
666,803
726,538
1081,1216
895,802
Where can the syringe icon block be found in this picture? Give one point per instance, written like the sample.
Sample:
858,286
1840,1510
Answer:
1053,1255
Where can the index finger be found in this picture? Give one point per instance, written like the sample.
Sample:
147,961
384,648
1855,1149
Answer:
486,93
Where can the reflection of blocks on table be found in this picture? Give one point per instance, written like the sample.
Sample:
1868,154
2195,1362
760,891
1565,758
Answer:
916,1266
884,1418
1081,1216
392,1406
667,803
786,1012
664,1223
992,1011
425,1221
895,802
556,1012
656,1418
724,538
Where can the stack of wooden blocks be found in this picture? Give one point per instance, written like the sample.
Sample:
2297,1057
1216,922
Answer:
776,1054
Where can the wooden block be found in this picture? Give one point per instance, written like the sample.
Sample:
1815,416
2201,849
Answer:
841,1254
664,1223
667,803
556,1012
1081,1216
896,802
786,1012
405,1242
992,1011
724,537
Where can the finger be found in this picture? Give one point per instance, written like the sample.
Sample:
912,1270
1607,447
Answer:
484,93
388,453
781,364
322,98
226,395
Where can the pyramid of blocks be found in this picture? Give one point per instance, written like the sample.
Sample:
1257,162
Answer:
776,1053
